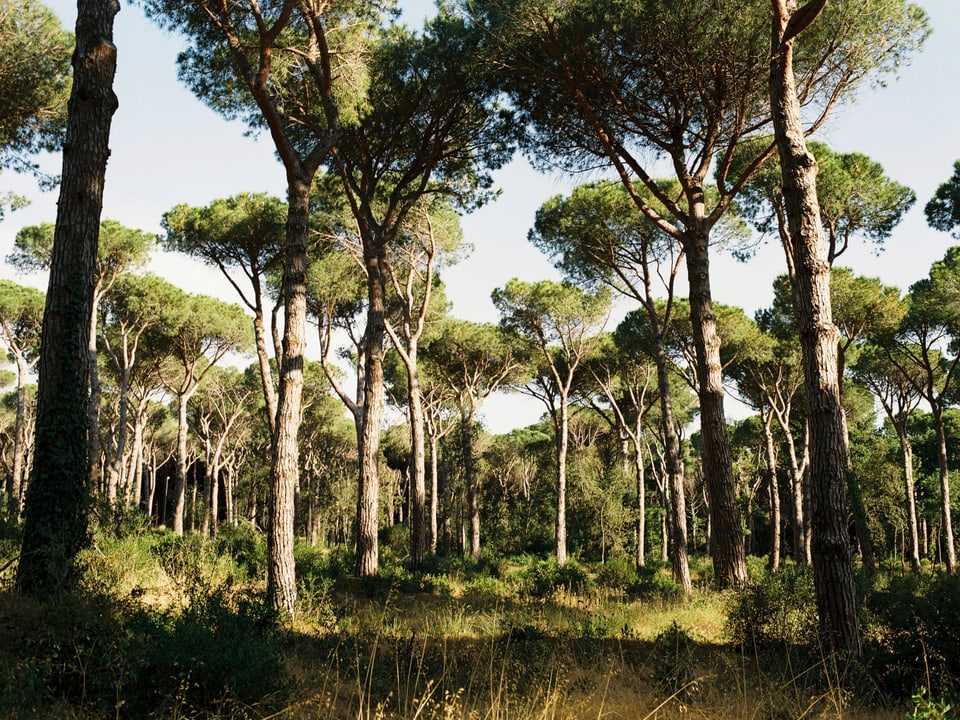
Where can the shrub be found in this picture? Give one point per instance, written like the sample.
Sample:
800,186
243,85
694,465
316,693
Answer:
247,545
617,573
913,625
775,607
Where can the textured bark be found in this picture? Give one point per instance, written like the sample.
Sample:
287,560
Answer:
562,442
832,562
906,450
470,477
729,560
180,487
368,493
950,554
285,469
773,490
673,466
56,503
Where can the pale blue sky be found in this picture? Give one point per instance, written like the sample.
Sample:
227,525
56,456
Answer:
168,148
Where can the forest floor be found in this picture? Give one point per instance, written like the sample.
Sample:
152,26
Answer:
176,628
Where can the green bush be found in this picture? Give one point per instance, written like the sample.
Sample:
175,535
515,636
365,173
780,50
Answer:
617,573
912,629
775,607
247,545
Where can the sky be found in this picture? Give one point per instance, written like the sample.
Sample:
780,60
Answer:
169,148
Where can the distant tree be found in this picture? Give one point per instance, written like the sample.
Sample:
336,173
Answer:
899,395
299,72
623,85
597,236
563,323
926,352
197,332
55,526
943,209
21,313
134,307
431,238
242,233
474,360
219,407
34,85
120,249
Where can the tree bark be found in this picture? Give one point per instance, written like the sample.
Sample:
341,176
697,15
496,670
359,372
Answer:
368,493
56,500
906,450
729,560
950,554
285,470
773,489
563,433
470,473
832,562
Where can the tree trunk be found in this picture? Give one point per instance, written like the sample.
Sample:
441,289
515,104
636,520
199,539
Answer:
96,396
368,493
913,535
17,472
832,562
729,561
56,500
639,471
774,491
418,482
950,555
434,490
562,442
470,473
180,488
285,470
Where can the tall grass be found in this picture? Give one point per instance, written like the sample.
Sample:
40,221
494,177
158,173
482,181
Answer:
169,627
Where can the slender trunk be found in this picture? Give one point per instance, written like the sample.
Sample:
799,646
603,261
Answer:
640,474
116,463
368,493
96,396
285,470
832,563
434,489
773,490
950,556
180,488
913,535
729,561
562,442
17,472
470,473
418,483
263,359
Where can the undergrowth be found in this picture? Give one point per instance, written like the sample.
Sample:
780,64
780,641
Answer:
171,627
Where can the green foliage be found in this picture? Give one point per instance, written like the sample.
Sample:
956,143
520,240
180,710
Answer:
246,545
543,578
926,708
911,624
674,660
774,608
34,81
617,573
